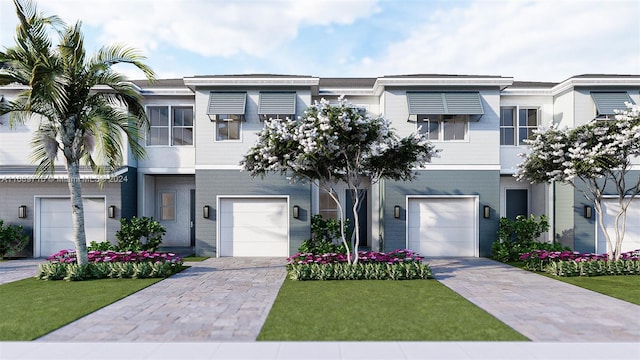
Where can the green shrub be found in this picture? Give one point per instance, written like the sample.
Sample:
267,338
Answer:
102,246
75,272
520,236
593,268
132,231
12,239
325,237
366,271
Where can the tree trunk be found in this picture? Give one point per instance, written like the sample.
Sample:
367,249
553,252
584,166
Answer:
77,212
356,224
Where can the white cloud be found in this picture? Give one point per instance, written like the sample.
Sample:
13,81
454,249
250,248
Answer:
223,28
544,40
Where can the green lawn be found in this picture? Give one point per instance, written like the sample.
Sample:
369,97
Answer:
194,258
623,287
32,308
378,310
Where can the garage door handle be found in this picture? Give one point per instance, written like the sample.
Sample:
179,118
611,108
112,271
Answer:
191,223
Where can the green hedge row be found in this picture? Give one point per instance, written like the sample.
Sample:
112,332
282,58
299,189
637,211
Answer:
593,267
365,271
102,270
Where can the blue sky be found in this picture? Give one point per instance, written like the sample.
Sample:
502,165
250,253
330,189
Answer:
547,40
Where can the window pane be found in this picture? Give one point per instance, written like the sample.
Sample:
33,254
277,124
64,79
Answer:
524,133
455,130
159,116
506,117
167,206
234,130
532,117
222,131
159,136
507,136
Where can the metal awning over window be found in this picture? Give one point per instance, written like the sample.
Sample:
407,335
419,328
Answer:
606,102
227,103
282,103
445,103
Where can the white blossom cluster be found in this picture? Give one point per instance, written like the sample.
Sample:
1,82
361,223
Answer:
336,141
592,150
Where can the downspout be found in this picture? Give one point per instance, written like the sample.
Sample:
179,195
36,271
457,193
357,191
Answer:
553,212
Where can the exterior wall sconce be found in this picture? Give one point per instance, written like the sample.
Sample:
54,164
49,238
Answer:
111,211
396,211
296,211
205,211
486,211
22,211
587,212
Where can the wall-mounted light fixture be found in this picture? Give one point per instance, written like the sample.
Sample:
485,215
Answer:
296,211
486,212
22,211
587,212
111,211
396,211
205,211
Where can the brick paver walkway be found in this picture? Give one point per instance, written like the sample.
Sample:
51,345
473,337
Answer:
538,307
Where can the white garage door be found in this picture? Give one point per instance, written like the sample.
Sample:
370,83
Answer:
631,241
56,227
253,227
443,226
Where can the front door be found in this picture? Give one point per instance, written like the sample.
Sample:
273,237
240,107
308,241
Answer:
517,203
362,215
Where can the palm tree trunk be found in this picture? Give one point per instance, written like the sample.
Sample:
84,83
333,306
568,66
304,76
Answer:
77,212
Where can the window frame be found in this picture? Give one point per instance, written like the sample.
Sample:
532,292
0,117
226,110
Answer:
441,120
516,127
223,118
162,206
170,125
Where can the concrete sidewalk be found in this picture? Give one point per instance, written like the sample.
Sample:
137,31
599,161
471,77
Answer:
538,307
13,270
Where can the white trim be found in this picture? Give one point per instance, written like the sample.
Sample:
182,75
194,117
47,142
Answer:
476,227
218,167
37,241
598,81
162,171
218,222
380,83
32,178
459,166
251,81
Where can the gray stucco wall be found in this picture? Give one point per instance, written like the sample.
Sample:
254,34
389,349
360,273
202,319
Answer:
484,183
16,193
212,183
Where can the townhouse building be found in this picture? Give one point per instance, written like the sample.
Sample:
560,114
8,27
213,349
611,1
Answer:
201,126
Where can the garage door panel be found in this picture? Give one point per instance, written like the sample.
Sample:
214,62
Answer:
56,225
442,226
632,230
254,227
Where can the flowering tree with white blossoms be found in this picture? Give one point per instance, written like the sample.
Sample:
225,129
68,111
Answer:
597,156
332,144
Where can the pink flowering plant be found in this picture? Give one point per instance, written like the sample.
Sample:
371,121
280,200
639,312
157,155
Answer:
574,263
110,264
396,265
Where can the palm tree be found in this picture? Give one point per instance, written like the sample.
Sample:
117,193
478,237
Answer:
85,108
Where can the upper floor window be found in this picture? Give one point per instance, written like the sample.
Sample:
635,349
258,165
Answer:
228,126
444,127
170,125
517,124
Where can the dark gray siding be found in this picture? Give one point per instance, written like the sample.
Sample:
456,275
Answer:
483,183
585,229
212,183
